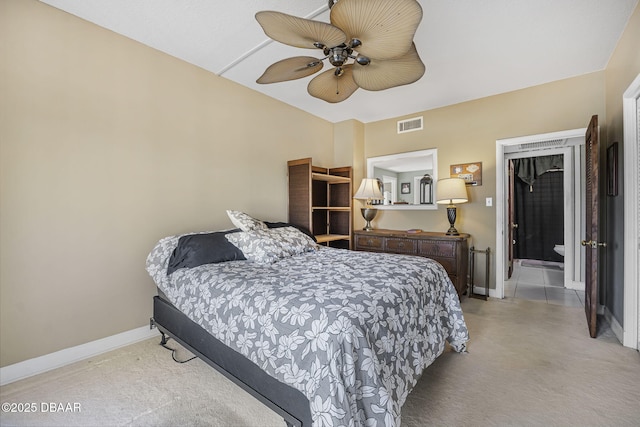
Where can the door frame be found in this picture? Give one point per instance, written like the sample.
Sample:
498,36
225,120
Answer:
502,181
631,318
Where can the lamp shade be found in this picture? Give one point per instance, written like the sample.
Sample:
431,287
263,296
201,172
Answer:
451,191
369,190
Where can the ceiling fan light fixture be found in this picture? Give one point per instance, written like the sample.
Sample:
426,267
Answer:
363,60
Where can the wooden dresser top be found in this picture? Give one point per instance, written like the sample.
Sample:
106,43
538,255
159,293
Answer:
404,234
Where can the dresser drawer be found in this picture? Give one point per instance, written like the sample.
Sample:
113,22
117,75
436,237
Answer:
449,264
435,248
400,246
370,243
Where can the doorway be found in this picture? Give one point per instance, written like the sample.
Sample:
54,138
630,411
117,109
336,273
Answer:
538,211
569,144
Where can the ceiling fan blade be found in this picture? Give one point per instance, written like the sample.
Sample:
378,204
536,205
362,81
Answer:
330,88
385,74
290,69
299,32
385,27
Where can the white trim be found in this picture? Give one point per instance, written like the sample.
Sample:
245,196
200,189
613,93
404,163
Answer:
615,326
58,359
576,285
372,162
501,186
394,188
631,319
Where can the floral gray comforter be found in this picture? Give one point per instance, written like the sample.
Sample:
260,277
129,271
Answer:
353,331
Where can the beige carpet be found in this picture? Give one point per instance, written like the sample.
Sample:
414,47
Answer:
529,364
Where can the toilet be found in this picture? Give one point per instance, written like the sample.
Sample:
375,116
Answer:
559,249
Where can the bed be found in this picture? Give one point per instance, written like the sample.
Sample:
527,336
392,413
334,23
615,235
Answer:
326,336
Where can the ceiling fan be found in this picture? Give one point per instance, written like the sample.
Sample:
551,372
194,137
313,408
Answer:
369,43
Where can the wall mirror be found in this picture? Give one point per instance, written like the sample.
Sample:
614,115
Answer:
407,180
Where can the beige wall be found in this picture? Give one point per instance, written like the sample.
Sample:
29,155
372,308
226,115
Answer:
348,142
467,132
105,147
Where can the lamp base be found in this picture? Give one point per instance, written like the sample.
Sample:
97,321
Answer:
451,216
368,214
452,232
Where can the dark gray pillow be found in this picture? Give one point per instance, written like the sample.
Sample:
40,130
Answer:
198,249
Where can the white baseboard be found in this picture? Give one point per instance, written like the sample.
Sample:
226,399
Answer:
576,286
58,359
615,326
480,290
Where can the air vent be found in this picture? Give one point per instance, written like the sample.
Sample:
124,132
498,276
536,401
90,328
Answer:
410,125
543,144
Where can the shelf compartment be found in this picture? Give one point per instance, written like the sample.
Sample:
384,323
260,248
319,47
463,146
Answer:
332,208
323,238
332,179
320,200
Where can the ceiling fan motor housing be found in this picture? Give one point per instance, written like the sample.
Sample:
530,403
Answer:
339,54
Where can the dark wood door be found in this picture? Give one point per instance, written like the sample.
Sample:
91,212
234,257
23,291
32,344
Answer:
511,225
591,243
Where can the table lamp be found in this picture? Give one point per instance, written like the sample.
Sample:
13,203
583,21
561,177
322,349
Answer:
451,191
369,190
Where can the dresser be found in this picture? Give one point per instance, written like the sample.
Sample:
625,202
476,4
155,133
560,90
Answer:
450,251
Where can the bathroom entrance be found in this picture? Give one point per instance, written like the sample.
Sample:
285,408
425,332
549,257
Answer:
567,223
538,210
580,150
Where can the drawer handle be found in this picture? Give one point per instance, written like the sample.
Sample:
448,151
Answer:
401,244
370,242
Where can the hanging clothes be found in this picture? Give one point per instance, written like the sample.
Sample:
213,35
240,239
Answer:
529,169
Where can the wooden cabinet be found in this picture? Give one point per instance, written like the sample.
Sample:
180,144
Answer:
450,251
320,200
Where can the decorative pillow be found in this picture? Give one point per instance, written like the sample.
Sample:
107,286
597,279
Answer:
287,224
244,222
267,246
198,249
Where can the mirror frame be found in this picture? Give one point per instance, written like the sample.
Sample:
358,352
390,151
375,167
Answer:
372,162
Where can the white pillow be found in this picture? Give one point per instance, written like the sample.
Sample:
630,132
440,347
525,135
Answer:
268,246
245,222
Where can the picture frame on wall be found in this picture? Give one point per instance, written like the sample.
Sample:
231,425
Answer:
612,170
405,188
470,172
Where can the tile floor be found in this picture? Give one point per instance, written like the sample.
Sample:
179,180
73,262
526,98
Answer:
533,280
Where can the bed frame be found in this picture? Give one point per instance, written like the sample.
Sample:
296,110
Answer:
286,401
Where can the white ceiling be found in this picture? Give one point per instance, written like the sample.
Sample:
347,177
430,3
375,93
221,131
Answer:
471,48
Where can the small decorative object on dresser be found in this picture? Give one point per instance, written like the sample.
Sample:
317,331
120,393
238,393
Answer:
450,251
